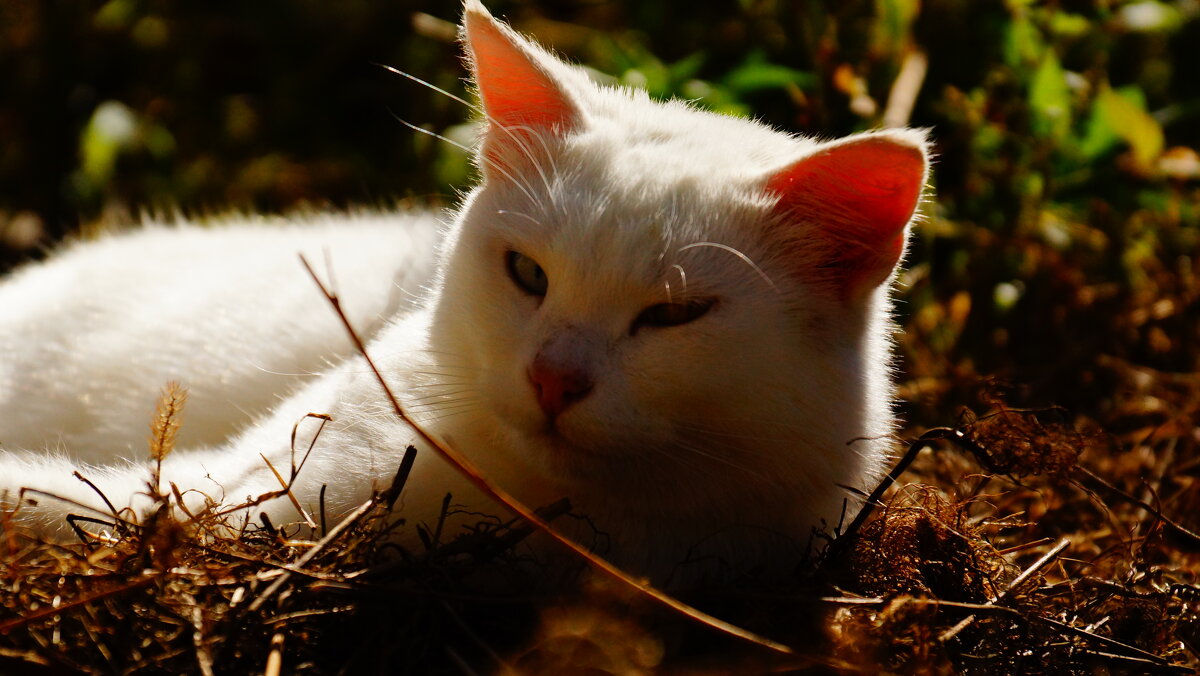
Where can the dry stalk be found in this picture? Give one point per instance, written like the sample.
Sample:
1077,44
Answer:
502,497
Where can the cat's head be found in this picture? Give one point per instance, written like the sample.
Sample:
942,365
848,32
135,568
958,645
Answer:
647,296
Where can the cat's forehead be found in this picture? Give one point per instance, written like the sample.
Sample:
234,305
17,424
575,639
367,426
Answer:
630,231
633,194
673,140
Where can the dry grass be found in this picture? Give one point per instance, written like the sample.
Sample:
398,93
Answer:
1016,541
1013,544
206,596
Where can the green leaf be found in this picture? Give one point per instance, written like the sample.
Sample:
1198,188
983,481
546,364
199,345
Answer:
1149,16
1023,43
115,14
1050,98
1067,25
686,68
111,129
1099,137
1120,115
714,97
756,74
894,23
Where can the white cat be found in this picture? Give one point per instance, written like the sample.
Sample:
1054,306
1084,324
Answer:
678,320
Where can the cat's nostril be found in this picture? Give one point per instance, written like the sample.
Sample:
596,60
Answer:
577,391
558,387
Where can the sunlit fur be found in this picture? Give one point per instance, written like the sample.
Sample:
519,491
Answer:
732,435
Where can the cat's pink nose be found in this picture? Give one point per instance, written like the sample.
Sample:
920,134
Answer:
558,387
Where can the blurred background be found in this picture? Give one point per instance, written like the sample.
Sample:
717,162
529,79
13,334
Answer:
1058,263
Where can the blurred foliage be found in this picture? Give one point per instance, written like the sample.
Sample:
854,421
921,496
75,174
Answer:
1066,223
1058,261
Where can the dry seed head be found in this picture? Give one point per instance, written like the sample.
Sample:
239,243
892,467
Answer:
165,425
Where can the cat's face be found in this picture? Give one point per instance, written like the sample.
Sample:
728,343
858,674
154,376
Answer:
644,296
636,329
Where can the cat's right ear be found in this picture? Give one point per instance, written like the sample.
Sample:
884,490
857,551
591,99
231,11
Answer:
520,94
845,209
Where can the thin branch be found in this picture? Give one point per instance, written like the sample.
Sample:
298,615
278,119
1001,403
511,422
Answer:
274,665
1019,580
331,536
875,499
9,625
485,486
1114,644
907,85
922,601
288,490
1173,525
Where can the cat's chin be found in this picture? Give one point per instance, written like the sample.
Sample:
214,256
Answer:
567,458
559,451
561,444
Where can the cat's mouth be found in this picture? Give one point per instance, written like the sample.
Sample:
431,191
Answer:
550,433
557,440
572,451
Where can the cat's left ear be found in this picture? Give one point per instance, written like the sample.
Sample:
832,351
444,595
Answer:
517,84
847,206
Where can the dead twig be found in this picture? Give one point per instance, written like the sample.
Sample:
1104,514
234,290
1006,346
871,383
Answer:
336,532
1019,580
9,625
491,490
275,656
903,95
1128,651
922,601
875,499
1175,527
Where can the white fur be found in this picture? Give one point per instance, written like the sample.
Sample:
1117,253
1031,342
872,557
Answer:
732,435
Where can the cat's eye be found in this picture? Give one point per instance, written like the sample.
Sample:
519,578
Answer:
671,314
527,274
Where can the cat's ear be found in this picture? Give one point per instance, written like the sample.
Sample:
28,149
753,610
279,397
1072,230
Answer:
848,206
517,85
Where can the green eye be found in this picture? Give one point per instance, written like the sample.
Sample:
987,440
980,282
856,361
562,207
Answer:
527,274
671,314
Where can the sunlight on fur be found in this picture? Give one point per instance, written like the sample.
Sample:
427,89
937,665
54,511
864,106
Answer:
677,320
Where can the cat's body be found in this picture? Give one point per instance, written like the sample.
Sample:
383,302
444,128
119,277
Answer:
680,321
90,339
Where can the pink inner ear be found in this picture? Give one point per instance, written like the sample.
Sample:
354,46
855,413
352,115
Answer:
858,196
515,91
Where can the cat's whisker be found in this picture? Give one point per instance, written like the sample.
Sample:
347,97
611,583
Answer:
785,430
430,132
727,434
767,430
450,397
509,130
439,396
446,405
686,455
436,353
439,389
438,360
682,281
286,374
440,403
441,362
523,146
520,185
531,219
437,416
428,85
425,379
743,257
